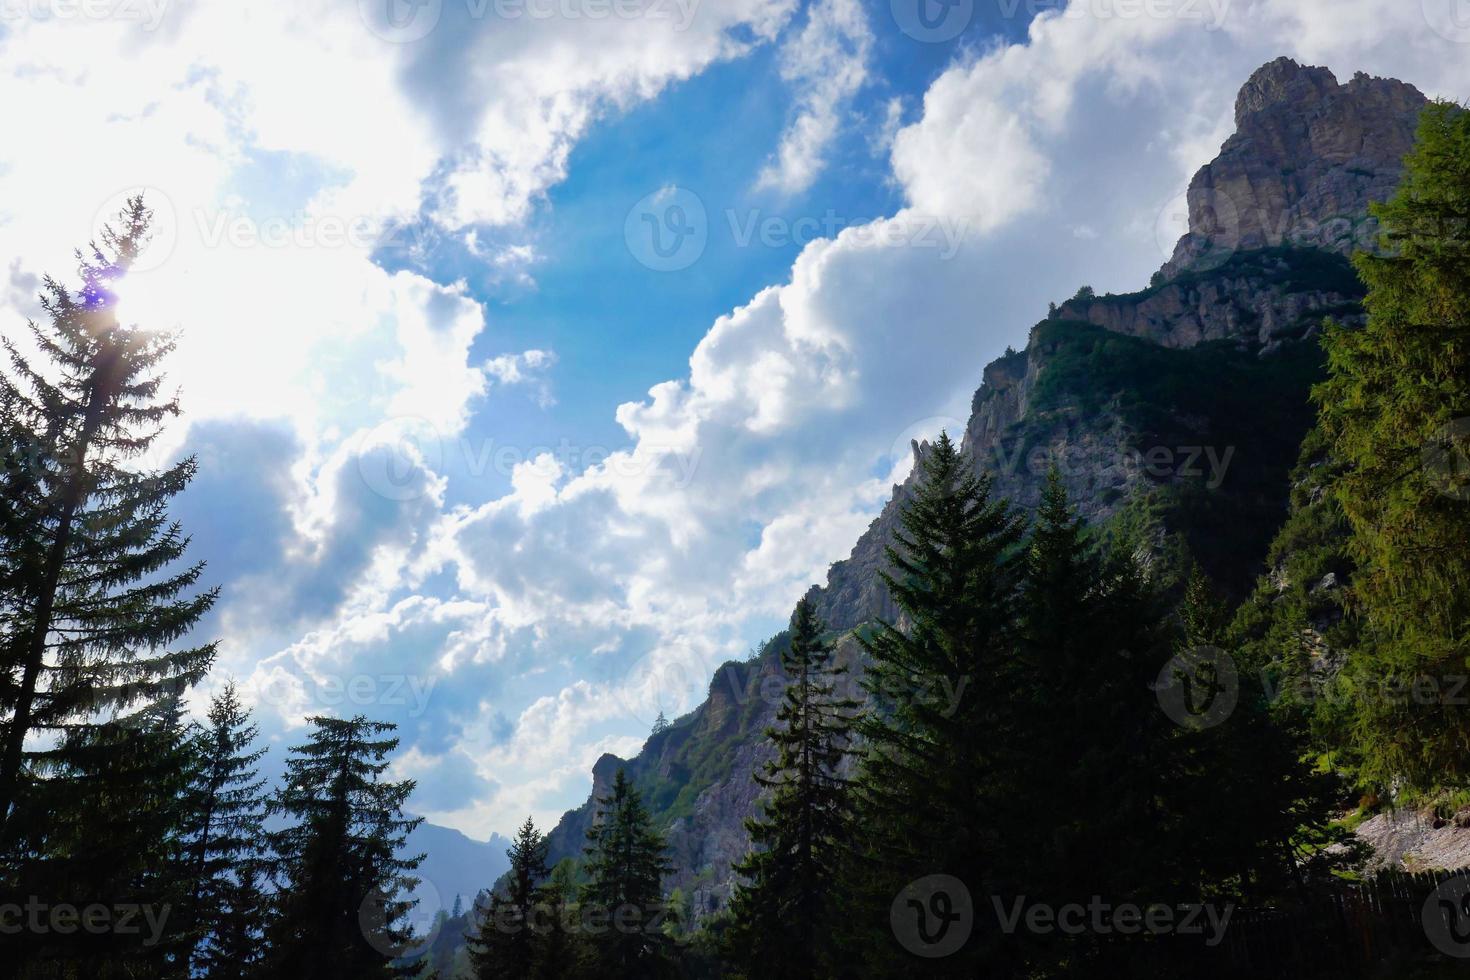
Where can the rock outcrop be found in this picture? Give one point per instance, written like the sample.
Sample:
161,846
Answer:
1261,297
1418,841
1308,156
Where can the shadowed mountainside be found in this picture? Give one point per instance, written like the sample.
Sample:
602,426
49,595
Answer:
1177,411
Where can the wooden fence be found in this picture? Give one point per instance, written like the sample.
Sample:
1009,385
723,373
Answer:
1351,930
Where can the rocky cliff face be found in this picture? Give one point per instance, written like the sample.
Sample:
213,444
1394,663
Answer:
1104,382
696,775
1307,157
1261,297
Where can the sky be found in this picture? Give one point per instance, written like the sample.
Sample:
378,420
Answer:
539,354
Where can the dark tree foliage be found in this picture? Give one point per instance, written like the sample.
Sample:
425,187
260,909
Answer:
784,911
1232,806
1084,742
623,900
341,882
930,777
1254,812
237,948
1394,411
506,944
92,603
1295,625
560,944
223,842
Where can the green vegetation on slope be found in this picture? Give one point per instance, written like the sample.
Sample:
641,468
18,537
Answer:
1250,412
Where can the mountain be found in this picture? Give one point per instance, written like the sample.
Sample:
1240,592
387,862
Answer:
455,864
1176,412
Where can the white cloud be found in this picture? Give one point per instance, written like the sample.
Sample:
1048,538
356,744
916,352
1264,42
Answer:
827,62
526,368
888,127
514,95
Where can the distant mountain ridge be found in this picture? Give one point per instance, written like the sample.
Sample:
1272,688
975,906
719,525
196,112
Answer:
1216,354
456,864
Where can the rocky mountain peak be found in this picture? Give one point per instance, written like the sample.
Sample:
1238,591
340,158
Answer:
1282,81
1308,156
604,772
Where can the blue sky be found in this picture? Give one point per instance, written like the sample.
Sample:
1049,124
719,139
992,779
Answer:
618,327
467,463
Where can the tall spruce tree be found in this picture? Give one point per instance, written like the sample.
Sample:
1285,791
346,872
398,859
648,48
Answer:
223,840
1082,739
237,947
1394,409
506,944
560,950
625,865
341,882
929,777
783,912
92,606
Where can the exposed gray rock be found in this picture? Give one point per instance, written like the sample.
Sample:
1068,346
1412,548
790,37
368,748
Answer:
1307,157
1189,311
1412,840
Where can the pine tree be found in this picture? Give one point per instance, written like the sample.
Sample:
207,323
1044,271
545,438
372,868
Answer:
1078,719
340,877
1393,409
92,603
1092,641
784,913
223,840
506,945
928,777
1259,809
237,946
559,951
626,865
